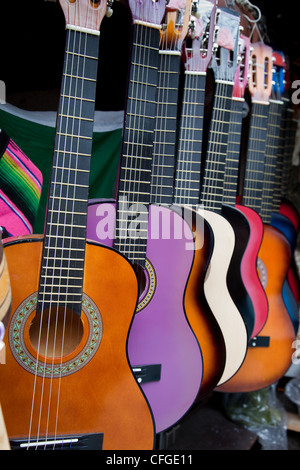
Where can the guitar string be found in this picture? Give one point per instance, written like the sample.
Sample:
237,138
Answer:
255,158
212,174
46,270
127,162
231,161
69,196
64,247
90,19
182,155
164,106
233,151
73,229
57,307
156,188
140,135
271,157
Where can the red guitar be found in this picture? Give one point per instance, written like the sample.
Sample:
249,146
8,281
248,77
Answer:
249,260
270,353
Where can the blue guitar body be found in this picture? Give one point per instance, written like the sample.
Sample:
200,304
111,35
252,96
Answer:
285,226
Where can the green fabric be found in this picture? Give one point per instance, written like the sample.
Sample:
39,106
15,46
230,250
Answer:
37,142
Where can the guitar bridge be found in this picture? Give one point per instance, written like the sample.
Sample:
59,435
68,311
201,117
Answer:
259,342
145,374
72,442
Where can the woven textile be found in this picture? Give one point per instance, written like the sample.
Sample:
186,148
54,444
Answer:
20,189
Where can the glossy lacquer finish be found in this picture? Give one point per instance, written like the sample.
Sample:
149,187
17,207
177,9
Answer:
263,366
98,396
160,333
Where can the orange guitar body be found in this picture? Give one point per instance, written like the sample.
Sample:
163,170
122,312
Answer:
204,325
263,366
97,392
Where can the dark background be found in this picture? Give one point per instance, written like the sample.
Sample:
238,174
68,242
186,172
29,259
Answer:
32,49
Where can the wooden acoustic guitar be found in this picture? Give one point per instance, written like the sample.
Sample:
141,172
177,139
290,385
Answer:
270,353
162,348
67,383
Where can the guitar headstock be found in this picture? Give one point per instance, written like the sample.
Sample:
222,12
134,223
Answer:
225,50
148,11
260,72
175,24
84,13
241,74
279,70
202,35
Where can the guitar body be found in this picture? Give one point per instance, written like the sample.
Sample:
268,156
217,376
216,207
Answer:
160,333
92,388
237,283
218,296
199,314
249,268
291,285
288,209
263,366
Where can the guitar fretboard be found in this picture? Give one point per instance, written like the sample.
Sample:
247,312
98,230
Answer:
215,159
165,133
272,143
61,277
133,198
189,156
255,159
233,152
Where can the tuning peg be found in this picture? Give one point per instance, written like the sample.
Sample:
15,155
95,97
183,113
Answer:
109,10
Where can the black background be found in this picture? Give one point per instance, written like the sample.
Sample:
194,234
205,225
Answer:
32,49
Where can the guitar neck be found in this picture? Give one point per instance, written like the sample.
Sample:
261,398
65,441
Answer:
165,132
188,170
61,278
215,159
255,159
272,143
134,192
233,152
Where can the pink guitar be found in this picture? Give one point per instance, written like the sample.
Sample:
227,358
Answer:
162,348
249,260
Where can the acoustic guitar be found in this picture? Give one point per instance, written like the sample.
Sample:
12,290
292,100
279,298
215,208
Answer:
175,174
253,241
162,348
67,383
275,340
224,307
274,163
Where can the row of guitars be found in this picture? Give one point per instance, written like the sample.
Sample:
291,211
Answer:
211,313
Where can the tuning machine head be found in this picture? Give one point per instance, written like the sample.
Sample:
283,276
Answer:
109,9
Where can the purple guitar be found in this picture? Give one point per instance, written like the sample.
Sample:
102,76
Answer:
162,348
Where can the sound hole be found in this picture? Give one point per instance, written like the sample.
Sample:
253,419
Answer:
56,332
142,279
